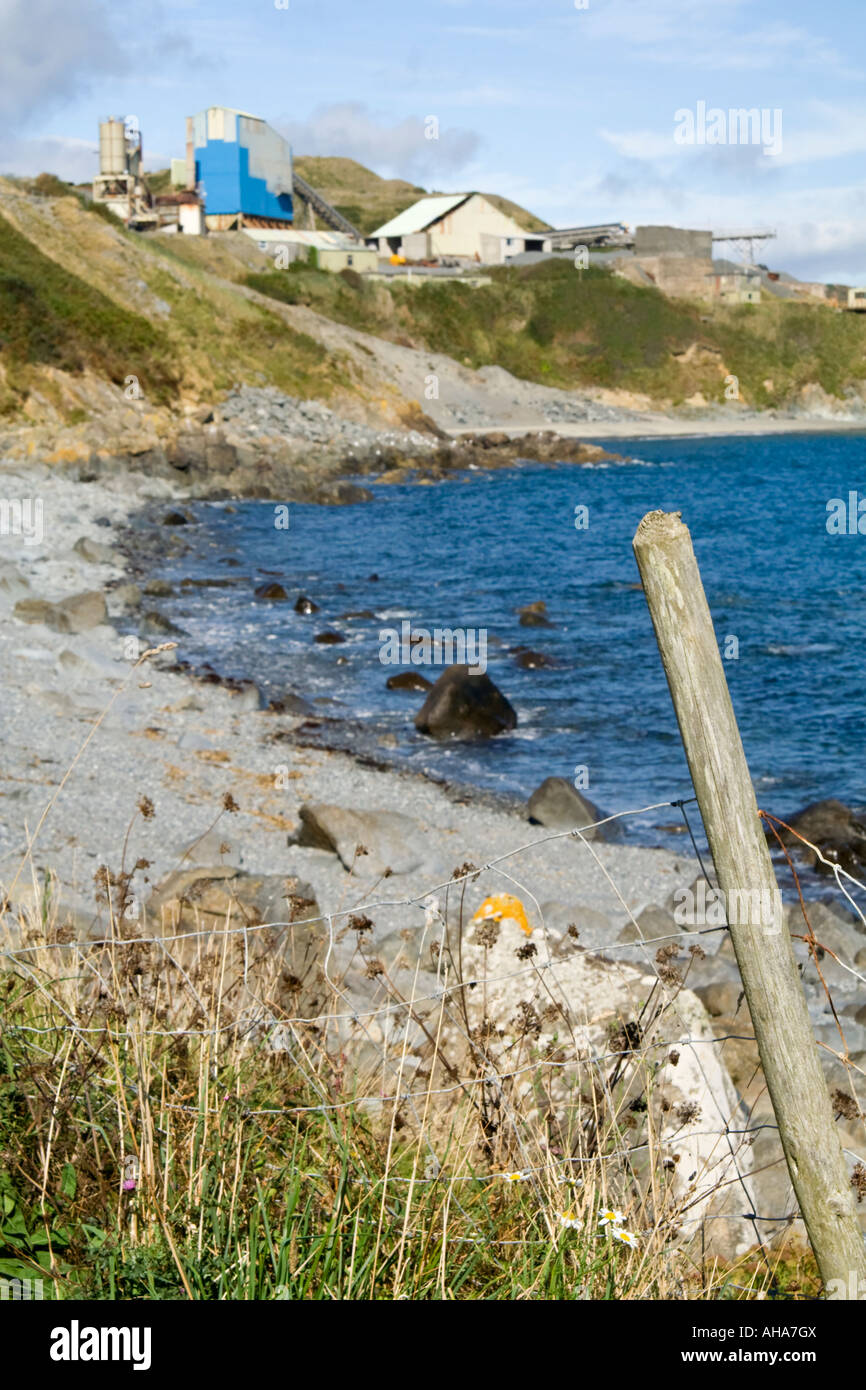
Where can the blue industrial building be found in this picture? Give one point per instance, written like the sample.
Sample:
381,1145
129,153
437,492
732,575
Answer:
242,169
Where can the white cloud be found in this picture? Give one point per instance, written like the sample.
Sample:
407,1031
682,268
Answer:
706,34
52,52
400,149
641,144
73,160
49,52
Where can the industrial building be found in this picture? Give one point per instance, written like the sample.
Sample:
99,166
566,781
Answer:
120,184
455,227
736,284
241,168
327,250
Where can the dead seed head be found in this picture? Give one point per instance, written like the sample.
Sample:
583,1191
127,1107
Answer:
845,1105
487,932
464,870
527,1022
626,1038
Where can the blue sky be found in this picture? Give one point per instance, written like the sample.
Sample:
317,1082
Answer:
569,111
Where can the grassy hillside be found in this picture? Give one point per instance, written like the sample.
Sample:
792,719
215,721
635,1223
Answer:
359,194
527,220
368,200
78,292
49,317
548,324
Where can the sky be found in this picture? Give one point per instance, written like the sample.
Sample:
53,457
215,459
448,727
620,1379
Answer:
580,110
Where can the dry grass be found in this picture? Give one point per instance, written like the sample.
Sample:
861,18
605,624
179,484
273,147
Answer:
187,1112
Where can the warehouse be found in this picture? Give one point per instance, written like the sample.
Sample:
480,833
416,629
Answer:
455,227
242,169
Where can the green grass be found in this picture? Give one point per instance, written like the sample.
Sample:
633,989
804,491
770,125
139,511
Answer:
546,323
50,317
549,323
261,1176
243,1207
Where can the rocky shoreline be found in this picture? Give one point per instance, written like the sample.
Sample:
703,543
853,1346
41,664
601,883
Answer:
217,789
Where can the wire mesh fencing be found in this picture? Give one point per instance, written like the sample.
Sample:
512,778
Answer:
497,1063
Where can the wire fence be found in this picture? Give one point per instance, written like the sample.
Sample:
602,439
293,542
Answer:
488,1048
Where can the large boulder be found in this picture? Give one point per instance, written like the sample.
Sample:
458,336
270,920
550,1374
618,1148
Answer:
839,935
589,1015
94,552
261,975
528,660
211,946
408,680
371,842
77,613
461,705
557,804
834,829
534,615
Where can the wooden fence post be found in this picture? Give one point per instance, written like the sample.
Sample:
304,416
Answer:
720,774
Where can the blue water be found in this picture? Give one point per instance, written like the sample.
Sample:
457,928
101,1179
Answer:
468,552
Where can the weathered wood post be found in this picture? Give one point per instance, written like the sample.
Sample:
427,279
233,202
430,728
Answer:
789,1055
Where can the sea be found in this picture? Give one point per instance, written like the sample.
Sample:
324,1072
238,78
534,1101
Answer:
774,521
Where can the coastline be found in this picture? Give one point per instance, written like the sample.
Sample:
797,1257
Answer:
185,741
665,427
192,782
85,508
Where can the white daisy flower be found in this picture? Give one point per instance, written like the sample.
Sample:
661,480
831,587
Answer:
514,1177
609,1216
627,1237
570,1221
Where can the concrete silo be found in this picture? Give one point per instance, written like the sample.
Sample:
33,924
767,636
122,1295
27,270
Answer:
120,183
